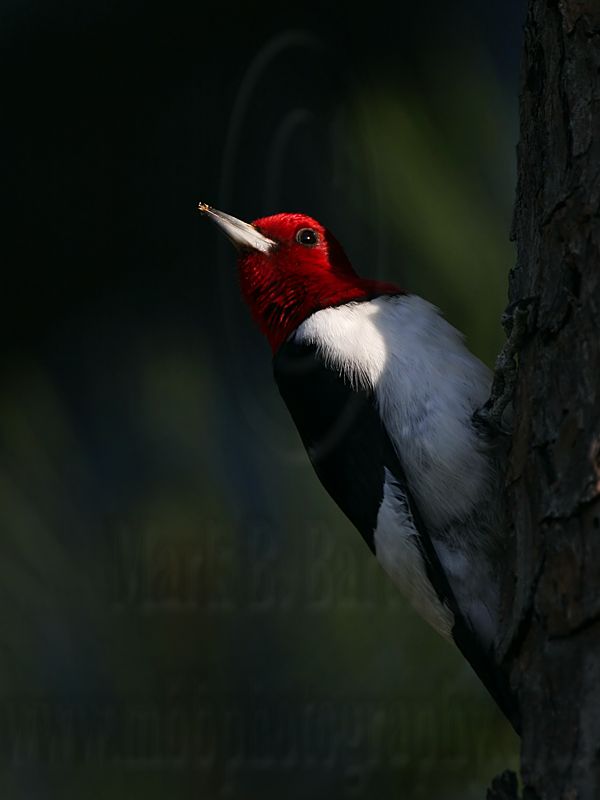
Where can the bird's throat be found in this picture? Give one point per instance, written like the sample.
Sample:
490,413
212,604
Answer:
279,304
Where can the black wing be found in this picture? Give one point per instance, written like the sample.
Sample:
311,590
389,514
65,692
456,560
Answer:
350,451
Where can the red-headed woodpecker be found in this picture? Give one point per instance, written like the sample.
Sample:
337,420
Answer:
382,391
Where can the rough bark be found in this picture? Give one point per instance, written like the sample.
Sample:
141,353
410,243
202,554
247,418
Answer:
553,480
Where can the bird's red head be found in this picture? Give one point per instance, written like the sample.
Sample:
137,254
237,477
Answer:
291,266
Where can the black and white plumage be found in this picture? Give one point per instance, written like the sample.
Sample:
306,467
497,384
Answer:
372,404
382,391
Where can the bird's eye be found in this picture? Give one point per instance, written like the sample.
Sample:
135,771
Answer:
307,236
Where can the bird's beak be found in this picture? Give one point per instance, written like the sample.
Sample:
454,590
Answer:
242,234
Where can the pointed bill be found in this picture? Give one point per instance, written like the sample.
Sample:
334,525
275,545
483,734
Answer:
241,233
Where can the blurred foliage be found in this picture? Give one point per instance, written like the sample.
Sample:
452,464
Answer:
443,163
185,613
183,603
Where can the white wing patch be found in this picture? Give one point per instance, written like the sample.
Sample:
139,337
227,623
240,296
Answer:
474,590
398,553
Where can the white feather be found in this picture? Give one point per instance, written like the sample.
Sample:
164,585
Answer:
399,554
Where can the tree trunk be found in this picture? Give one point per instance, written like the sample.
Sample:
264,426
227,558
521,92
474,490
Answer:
553,478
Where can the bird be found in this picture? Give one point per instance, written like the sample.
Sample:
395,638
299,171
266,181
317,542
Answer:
384,394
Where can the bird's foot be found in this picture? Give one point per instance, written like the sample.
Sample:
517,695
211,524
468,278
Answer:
515,321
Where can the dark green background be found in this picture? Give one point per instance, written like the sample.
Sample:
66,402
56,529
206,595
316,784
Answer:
185,614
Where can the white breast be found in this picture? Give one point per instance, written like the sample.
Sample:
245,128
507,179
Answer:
427,385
